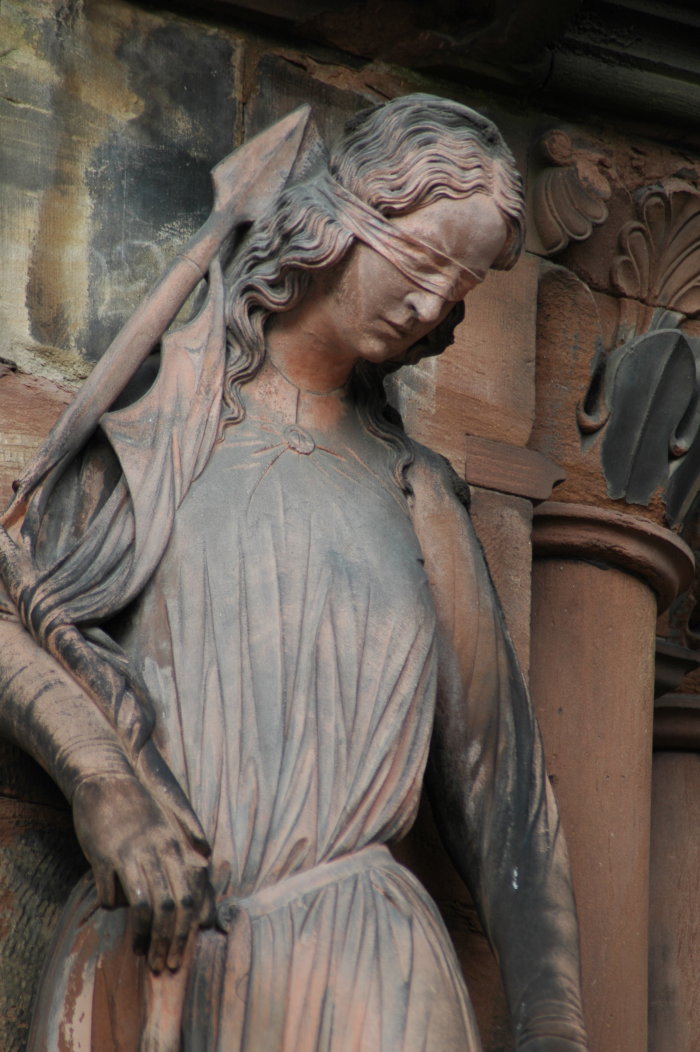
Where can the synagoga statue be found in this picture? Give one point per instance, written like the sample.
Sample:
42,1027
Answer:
245,615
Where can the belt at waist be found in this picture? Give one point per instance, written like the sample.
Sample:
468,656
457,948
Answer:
300,884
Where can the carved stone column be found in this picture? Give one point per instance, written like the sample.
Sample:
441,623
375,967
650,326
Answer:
674,950
616,406
598,579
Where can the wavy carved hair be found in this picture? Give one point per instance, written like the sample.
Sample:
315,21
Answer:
396,158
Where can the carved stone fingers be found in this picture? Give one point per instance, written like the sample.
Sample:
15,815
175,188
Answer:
164,880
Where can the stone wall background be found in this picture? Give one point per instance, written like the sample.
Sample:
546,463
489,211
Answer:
111,117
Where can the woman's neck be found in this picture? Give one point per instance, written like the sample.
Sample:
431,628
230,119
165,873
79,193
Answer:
278,363
300,345
275,397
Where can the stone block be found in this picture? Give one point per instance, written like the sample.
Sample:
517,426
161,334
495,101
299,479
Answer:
282,84
116,115
484,384
29,405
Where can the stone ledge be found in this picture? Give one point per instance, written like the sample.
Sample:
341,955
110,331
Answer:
510,469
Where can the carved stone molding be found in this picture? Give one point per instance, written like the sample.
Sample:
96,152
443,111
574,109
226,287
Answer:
635,57
511,39
677,722
569,195
672,663
579,531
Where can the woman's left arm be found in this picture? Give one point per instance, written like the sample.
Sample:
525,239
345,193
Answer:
487,780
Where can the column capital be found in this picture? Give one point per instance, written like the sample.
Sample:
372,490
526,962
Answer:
613,538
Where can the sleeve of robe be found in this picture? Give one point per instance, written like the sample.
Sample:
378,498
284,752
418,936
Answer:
94,533
487,780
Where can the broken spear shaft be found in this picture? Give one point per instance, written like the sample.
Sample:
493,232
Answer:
245,183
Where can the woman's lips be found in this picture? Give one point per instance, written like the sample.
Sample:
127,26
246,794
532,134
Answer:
398,330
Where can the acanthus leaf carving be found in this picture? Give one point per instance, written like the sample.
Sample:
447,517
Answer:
644,395
569,195
659,260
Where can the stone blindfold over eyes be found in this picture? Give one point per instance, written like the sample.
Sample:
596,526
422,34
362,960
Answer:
420,262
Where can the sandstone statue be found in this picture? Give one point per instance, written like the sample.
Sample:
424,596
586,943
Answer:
245,616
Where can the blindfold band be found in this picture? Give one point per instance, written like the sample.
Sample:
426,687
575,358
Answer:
424,265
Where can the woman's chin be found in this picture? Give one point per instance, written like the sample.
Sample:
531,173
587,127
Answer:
381,351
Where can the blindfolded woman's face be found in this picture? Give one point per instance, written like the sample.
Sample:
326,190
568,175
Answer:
367,308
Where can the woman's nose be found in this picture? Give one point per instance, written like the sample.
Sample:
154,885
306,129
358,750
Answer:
426,306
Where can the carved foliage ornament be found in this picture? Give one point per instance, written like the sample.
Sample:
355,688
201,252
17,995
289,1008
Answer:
569,195
645,393
659,261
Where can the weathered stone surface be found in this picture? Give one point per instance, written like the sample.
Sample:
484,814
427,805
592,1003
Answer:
634,58
510,469
482,393
617,411
657,251
101,106
39,857
568,190
29,405
592,685
674,929
484,384
282,84
410,33
22,779
111,118
40,862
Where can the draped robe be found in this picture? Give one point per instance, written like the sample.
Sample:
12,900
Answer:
287,634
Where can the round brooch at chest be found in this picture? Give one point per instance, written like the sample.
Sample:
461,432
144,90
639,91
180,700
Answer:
298,439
